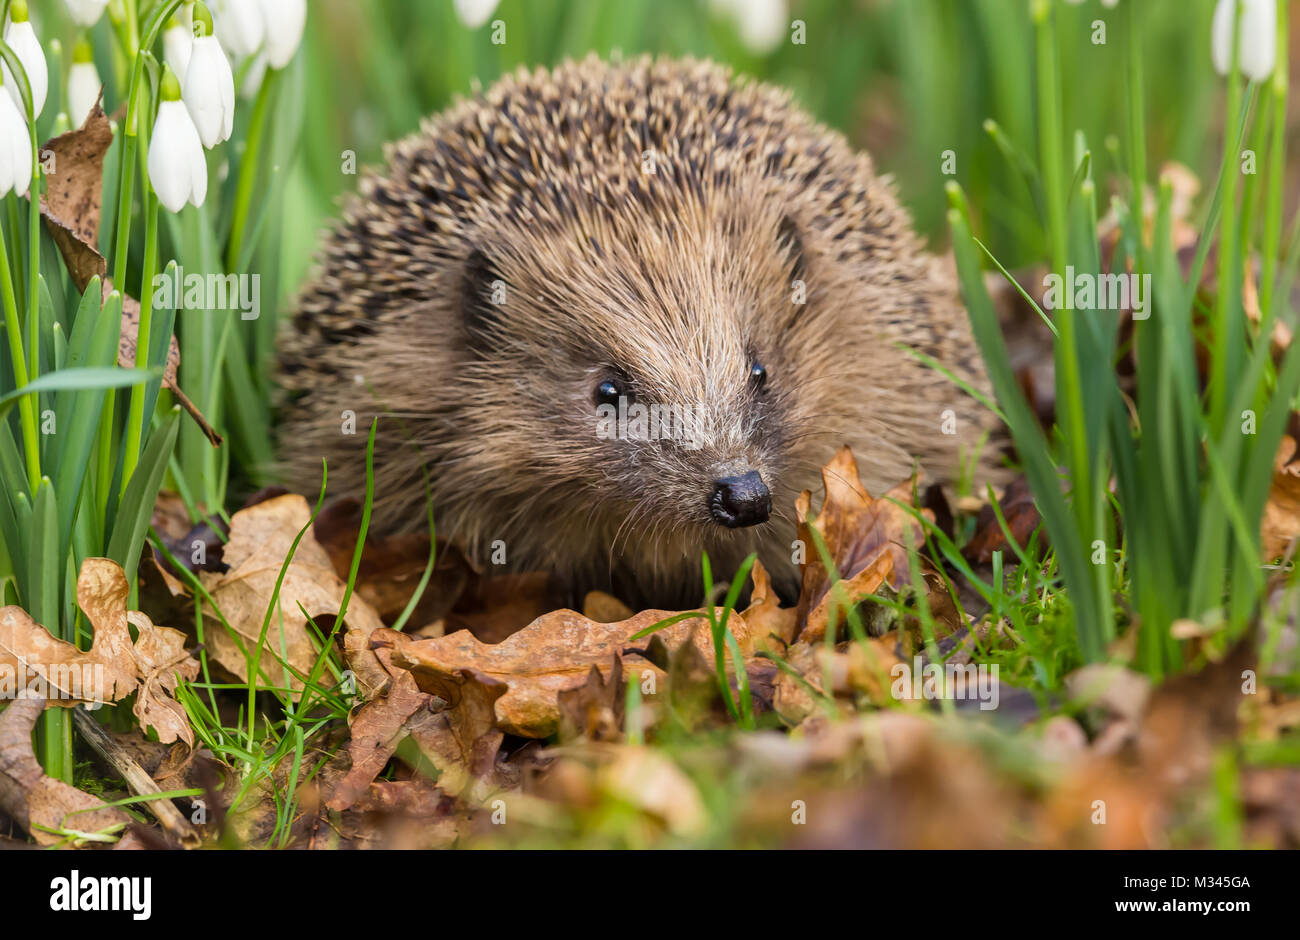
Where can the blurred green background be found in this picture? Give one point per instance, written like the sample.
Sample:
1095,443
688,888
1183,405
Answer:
904,79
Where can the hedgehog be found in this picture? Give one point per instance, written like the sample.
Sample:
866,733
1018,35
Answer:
617,314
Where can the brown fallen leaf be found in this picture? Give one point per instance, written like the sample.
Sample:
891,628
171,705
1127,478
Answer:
606,608
864,537
1022,518
495,606
36,802
260,538
392,565
71,204
552,654
594,710
454,729
377,728
771,625
114,667
1281,522
852,668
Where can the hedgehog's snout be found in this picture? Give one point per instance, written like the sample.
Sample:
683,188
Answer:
740,501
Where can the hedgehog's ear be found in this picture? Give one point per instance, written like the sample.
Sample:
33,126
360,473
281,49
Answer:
790,240
483,298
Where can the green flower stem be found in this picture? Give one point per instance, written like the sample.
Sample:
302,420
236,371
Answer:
137,420
1277,170
132,28
125,197
248,170
1068,382
1225,337
26,404
25,371
1137,119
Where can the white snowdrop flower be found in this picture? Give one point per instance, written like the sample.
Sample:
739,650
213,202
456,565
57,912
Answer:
474,13
1256,38
85,12
22,40
209,88
15,149
239,26
178,170
285,21
83,84
762,23
177,42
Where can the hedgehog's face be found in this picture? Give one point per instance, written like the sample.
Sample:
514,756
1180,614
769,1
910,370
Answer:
697,446
662,365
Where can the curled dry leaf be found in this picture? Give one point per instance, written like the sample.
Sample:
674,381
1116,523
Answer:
606,608
1022,518
453,725
36,802
865,537
594,710
645,778
391,565
260,539
1281,523
552,654
72,203
114,667
771,625
862,668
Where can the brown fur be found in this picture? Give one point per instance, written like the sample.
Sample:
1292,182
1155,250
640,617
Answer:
678,278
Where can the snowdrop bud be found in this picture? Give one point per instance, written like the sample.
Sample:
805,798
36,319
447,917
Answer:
177,40
1256,37
285,21
239,26
177,168
15,149
22,39
209,83
762,23
474,13
83,84
85,12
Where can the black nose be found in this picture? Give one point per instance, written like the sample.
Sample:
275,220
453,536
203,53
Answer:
740,501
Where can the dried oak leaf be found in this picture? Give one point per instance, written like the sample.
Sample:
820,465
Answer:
605,607
391,565
853,668
552,654
36,802
461,738
1022,518
594,710
771,625
72,202
1281,523
260,539
151,666
864,537
494,607
454,728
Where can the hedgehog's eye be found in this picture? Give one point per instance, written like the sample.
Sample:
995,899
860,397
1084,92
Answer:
757,376
609,391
